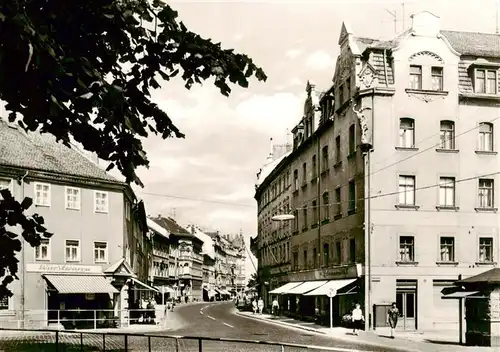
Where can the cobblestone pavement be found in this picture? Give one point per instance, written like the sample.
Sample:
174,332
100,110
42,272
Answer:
205,320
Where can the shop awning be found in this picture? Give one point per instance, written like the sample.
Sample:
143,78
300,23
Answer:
225,292
210,293
165,289
146,286
285,288
75,284
460,294
332,284
306,287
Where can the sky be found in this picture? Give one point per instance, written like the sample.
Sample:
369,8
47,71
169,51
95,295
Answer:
209,177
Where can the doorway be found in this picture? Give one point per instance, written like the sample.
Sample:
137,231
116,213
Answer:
406,301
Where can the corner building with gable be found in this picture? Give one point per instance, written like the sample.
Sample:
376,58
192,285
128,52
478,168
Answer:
407,131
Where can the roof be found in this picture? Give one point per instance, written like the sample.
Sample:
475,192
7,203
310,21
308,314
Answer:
171,226
474,43
35,151
267,169
491,276
157,228
208,243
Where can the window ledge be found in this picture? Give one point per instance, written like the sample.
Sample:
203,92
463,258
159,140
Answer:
426,92
325,221
304,185
486,152
337,164
7,313
479,96
440,263
351,211
351,155
295,192
338,216
486,210
408,149
296,232
324,172
486,263
444,207
449,151
409,263
407,206
313,226
304,229
42,205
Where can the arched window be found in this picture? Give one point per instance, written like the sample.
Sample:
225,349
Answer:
486,137
447,133
406,132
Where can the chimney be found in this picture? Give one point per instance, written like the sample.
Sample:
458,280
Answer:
271,149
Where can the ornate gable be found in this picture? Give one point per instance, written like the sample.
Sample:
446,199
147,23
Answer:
367,77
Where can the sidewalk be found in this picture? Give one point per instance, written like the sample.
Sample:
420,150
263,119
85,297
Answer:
432,341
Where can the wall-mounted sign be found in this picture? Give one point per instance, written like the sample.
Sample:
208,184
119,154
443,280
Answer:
63,268
341,272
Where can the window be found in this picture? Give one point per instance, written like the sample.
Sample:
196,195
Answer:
352,250
101,202
304,215
42,194
406,249
486,249
338,202
5,184
486,199
315,257
338,250
326,254
305,259
447,191
415,77
447,135
406,133
337,149
100,252
352,196
486,137
486,81
295,262
406,190
314,167
72,198
324,156
296,220
304,173
341,94
314,207
42,252
437,78
72,250
352,139
326,206
447,249
4,303
296,179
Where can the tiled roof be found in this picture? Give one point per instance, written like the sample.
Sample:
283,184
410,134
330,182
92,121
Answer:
41,152
473,43
491,276
171,226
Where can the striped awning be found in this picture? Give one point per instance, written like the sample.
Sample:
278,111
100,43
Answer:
74,284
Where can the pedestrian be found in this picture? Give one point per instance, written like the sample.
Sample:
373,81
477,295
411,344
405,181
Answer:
276,306
392,318
254,306
260,304
357,318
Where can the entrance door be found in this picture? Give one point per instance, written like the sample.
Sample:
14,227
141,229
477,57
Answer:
406,301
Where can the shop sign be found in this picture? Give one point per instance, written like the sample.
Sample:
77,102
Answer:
63,268
340,272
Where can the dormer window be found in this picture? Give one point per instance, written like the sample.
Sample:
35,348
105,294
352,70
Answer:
485,81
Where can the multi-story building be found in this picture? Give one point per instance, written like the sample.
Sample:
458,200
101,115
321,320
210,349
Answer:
97,223
240,281
189,259
394,170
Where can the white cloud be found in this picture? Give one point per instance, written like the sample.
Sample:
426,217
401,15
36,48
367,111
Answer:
320,60
293,53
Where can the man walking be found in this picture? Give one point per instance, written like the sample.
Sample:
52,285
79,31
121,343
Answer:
392,318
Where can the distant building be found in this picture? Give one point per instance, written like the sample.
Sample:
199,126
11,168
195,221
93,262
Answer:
89,267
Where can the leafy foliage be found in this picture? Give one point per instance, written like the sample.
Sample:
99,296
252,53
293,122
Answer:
253,281
11,217
85,69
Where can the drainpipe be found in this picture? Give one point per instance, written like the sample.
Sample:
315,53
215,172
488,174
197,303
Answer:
23,260
318,203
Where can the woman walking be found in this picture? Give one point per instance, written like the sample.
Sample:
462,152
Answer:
357,319
392,318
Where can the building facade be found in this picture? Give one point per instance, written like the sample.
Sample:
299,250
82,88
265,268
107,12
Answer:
399,158
94,218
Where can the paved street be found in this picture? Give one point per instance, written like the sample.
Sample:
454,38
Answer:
206,320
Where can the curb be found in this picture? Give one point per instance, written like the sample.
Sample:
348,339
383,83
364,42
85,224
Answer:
367,343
